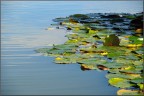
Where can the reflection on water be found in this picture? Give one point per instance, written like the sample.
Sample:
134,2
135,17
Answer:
25,72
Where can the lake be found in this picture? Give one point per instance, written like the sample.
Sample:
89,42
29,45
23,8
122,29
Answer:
25,72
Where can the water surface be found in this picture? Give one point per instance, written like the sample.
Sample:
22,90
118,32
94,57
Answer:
25,72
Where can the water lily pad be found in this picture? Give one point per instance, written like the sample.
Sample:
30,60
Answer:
124,42
115,54
138,80
112,65
135,40
139,51
91,61
50,51
128,92
78,16
62,60
124,61
114,70
71,41
119,82
89,66
88,50
65,46
72,36
43,50
131,70
141,86
122,75
60,19
92,50
90,40
131,57
89,55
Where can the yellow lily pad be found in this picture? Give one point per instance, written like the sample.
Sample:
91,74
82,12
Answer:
128,92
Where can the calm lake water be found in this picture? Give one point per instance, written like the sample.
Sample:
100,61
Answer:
25,72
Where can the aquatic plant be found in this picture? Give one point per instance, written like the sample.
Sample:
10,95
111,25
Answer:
96,48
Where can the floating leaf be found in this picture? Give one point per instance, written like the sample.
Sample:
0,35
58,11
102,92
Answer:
91,61
128,92
78,16
138,80
124,42
124,61
141,86
43,50
135,40
114,70
60,19
64,60
89,66
119,82
72,36
122,75
90,40
71,41
131,70
112,65
89,55
139,51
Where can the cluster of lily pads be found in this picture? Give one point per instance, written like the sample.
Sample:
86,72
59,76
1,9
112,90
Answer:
95,47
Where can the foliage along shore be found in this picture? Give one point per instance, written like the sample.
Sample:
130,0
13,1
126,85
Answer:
104,41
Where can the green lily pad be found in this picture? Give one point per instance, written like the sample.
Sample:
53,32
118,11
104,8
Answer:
43,50
65,46
122,75
138,80
115,54
89,50
78,16
62,60
60,19
91,61
139,51
72,41
131,57
90,40
135,40
124,61
114,70
93,50
141,86
89,55
72,36
50,51
131,70
112,65
83,35
119,82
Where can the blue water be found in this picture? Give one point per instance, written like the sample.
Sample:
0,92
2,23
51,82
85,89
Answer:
25,72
